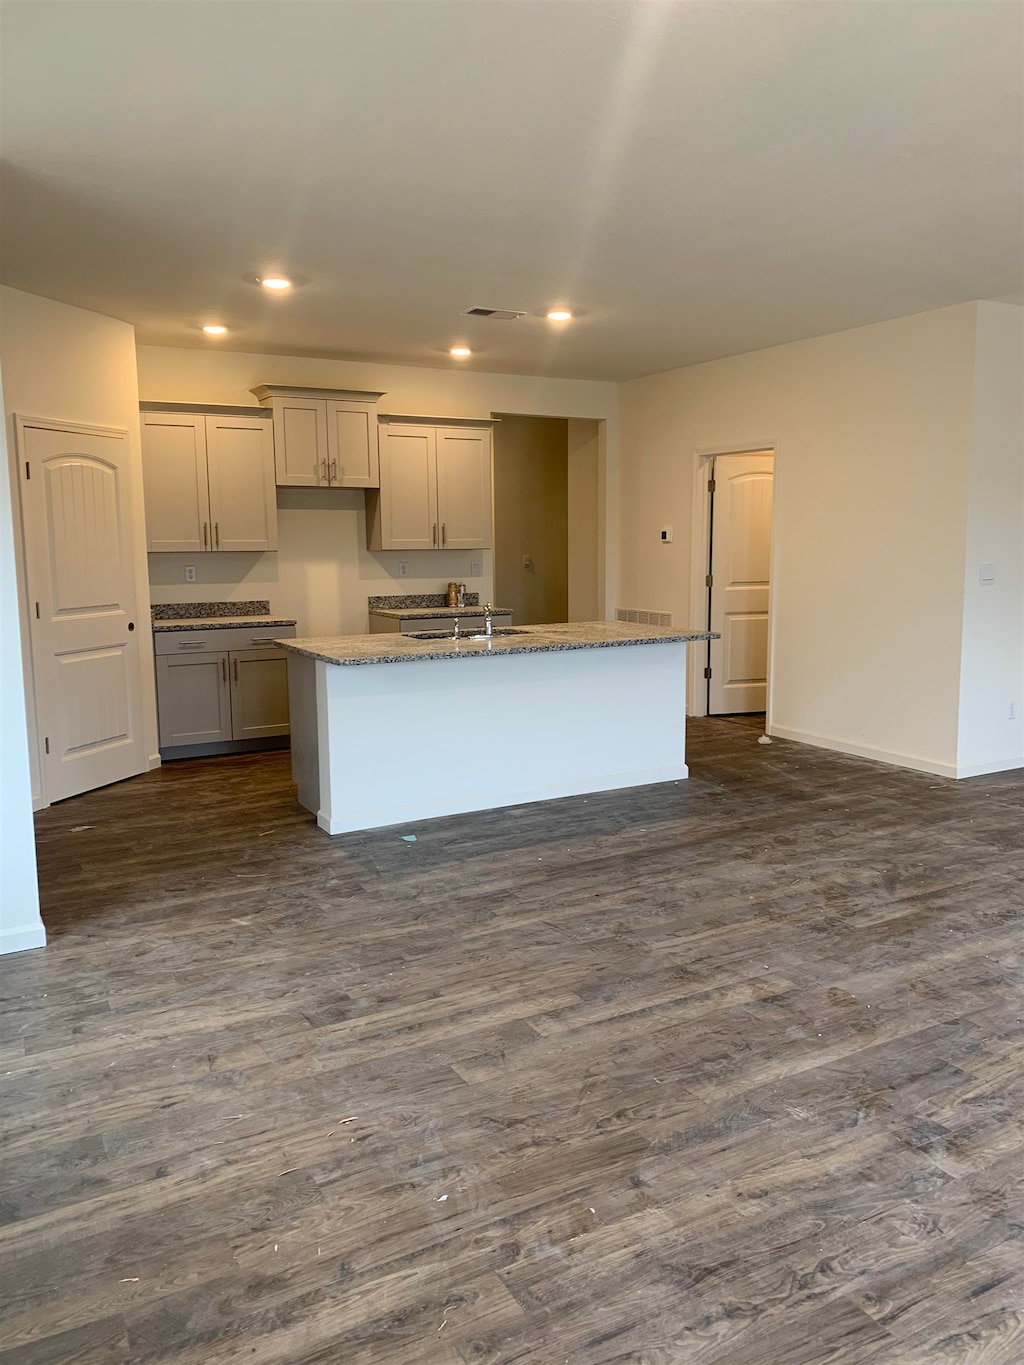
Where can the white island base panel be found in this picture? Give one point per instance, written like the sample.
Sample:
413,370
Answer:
385,744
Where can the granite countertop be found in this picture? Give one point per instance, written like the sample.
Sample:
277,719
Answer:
393,649
409,613
266,623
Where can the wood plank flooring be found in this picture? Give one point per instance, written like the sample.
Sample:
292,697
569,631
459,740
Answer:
724,1071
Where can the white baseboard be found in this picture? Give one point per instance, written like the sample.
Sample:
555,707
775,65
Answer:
999,765
477,801
843,746
23,939
154,761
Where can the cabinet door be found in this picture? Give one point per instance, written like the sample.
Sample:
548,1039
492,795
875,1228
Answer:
352,459
259,693
464,487
193,699
243,500
300,441
174,482
408,488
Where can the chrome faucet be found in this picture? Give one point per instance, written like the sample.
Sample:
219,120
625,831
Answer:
488,624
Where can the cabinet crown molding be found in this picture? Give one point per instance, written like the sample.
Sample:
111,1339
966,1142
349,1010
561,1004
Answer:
267,391
212,409
401,418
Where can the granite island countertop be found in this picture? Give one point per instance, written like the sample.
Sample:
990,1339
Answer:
393,649
409,613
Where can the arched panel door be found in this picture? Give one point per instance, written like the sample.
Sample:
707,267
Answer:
83,609
741,544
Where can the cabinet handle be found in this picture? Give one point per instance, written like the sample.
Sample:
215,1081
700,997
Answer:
444,533
324,477
234,664
216,533
224,669
334,471
433,537
206,534
189,644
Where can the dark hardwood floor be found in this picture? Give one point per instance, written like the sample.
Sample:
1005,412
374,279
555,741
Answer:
724,1071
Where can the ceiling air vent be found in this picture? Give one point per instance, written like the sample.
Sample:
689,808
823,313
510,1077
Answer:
499,314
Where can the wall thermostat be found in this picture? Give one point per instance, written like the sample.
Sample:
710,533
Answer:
666,535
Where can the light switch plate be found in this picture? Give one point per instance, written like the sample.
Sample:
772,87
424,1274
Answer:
987,575
475,569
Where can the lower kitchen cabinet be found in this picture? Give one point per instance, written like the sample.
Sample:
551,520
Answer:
216,700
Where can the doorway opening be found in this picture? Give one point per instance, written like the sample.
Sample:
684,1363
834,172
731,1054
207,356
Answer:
733,580
547,542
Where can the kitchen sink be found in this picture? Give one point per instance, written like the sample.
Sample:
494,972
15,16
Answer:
474,635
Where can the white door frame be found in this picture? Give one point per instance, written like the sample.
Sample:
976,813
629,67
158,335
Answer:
700,550
20,423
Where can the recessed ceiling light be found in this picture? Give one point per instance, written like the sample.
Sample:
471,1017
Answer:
214,329
559,315
275,282
460,352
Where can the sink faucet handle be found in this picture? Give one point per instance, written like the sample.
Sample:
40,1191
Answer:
488,627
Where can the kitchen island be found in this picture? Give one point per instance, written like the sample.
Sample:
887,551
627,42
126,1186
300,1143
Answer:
390,728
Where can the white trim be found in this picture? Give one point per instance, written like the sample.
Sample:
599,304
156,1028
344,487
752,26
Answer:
997,765
22,940
845,746
499,798
154,761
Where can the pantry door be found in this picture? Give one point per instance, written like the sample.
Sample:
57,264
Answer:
80,575
741,545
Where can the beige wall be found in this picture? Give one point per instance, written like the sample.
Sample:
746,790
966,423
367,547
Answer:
531,514
992,662
322,573
872,433
71,365
584,492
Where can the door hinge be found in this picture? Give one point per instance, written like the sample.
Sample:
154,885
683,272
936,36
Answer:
709,581
711,485
28,470
37,611
707,672
47,743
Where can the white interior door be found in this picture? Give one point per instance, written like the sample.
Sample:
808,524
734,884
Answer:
741,543
76,508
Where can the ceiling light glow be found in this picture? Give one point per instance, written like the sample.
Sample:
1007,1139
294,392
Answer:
214,329
559,315
275,282
460,352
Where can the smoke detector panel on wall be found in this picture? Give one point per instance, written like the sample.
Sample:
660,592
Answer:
498,314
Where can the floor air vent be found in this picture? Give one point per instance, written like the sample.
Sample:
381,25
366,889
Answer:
643,618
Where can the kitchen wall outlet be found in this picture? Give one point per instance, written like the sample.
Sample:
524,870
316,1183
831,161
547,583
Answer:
528,563
403,568
476,569
1013,710
190,573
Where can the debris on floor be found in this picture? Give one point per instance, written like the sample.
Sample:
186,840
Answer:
409,838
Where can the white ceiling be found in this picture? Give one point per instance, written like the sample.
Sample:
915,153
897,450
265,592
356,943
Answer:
697,179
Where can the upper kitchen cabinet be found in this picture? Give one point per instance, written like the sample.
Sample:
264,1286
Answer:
209,481
323,438
435,487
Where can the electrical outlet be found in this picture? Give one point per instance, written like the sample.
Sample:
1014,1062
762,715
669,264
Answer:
190,573
403,569
1013,710
475,569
